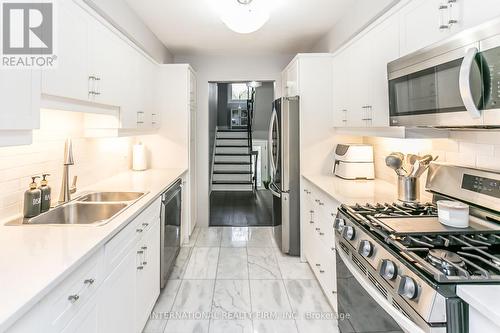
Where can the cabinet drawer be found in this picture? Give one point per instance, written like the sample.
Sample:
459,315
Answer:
74,292
116,248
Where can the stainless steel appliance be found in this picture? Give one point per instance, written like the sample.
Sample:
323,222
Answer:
284,148
452,84
171,215
409,264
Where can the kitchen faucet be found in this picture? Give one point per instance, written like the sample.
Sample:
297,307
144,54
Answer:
66,190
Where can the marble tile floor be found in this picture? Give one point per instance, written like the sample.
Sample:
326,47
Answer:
235,279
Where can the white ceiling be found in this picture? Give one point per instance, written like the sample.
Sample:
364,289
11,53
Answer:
189,27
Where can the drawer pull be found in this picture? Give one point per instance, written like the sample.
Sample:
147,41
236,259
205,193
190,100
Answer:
140,268
332,248
321,203
145,224
73,298
140,252
144,248
139,230
144,263
89,281
312,222
321,271
321,233
318,229
318,265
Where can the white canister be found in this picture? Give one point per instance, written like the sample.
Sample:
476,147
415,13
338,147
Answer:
139,162
453,213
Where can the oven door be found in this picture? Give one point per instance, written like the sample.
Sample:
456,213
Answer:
362,308
443,91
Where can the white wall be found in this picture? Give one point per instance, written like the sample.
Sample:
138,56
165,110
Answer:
360,15
119,14
219,69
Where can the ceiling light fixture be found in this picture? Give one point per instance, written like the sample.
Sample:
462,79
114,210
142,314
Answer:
243,16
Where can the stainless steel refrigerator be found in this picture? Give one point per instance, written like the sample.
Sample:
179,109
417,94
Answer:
284,157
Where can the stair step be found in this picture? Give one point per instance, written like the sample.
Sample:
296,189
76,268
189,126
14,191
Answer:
231,130
235,172
232,162
231,138
232,146
233,154
232,182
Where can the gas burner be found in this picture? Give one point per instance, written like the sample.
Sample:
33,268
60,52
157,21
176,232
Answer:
447,262
396,209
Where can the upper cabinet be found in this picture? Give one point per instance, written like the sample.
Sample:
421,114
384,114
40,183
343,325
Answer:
290,79
71,76
424,22
98,70
360,96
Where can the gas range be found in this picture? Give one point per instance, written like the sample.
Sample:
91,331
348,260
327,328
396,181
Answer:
416,262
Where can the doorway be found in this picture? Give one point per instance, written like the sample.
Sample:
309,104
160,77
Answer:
239,116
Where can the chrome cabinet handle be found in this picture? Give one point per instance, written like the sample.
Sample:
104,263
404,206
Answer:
321,271
73,298
318,265
140,252
321,233
140,268
139,230
89,281
318,229
145,224
311,222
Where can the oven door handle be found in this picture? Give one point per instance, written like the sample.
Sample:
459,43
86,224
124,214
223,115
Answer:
464,83
405,323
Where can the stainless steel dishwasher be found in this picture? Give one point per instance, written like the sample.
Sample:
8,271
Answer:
171,215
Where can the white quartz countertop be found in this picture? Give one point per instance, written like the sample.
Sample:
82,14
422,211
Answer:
484,298
35,258
354,191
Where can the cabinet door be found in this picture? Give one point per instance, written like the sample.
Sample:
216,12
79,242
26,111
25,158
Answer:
384,41
109,61
339,89
86,321
117,298
358,67
473,12
71,77
148,278
19,99
420,24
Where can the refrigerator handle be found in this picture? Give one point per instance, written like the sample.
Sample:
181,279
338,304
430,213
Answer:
272,163
272,187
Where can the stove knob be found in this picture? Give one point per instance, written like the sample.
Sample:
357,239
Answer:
339,224
388,270
349,233
365,248
408,287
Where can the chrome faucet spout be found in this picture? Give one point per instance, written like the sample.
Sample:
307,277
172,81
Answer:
66,190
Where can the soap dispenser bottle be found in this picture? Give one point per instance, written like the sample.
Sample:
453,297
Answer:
46,193
32,200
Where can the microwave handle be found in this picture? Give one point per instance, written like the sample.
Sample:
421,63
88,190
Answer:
464,83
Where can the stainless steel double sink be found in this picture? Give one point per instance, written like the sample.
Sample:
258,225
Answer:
96,208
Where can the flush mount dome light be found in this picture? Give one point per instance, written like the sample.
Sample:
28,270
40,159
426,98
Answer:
243,16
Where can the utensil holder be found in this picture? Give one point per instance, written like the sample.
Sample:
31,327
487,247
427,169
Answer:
408,189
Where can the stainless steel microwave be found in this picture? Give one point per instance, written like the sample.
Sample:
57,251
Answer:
452,84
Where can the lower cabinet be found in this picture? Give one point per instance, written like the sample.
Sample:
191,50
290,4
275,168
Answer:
117,299
318,214
113,291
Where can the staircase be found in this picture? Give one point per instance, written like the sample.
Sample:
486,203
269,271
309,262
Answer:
232,169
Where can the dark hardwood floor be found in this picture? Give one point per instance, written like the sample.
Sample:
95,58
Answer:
241,209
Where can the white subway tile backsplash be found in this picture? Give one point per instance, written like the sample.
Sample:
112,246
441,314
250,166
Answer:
473,149
95,159
476,148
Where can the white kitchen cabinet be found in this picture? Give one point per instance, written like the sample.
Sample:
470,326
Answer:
87,320
318,213
117,297
473,12
20,99
70,78
423,23
147,281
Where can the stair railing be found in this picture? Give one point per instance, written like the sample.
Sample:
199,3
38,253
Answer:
253,153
